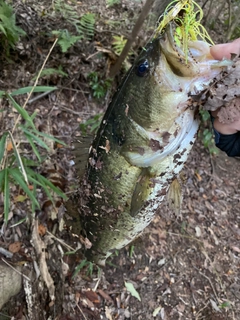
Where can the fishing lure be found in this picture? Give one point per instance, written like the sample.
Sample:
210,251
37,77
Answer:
187,16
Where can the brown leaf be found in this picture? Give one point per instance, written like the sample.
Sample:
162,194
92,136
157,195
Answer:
9,146
15,247
42,229
224,93
230,112
198,176
85,241
104,295
92,296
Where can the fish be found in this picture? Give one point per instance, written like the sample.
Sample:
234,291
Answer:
142,143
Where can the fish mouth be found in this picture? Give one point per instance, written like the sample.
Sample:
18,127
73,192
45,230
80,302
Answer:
192,63
185,60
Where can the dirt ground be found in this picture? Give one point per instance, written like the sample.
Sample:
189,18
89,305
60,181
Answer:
184,267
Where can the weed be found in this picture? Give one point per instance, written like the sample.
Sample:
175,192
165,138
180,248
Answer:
85,26
118,44
16,168
9,31
111,3
131,251
65,10
98,86
206,134
225,305
91,124
48,72
83,264
65,39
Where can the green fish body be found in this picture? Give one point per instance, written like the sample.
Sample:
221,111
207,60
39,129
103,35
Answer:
143,142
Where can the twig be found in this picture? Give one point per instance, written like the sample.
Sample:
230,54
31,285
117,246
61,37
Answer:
5,315
209,282
202,310
184,236
35,83
145,10
72,89
61,241
40,248
21,166
99,278
40,96
81,312
6,253
21,274
70,110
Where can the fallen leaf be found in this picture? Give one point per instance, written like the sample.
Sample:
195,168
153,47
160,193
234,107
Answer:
130,288
198,231
198,176
214,305
156,311
9,146
108,313
236,249
20,198
92,296
41,229
104,295
15,247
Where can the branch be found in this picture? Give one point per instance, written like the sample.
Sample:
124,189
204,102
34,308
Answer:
158,9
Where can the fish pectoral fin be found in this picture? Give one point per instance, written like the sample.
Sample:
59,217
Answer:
81,153
141,192
174,197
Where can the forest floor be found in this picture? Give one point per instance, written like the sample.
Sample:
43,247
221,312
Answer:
185,267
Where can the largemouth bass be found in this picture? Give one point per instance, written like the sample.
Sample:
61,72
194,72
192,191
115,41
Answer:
143,142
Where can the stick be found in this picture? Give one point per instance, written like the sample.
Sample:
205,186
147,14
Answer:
159,8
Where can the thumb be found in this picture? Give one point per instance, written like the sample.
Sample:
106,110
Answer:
221,51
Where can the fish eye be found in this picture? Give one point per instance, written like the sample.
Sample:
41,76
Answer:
143,68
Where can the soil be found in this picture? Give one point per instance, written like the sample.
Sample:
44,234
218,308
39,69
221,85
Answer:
183,267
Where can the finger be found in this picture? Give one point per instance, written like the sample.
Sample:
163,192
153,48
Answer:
221,51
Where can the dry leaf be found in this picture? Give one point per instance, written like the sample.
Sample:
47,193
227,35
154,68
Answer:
9,146
108,313
40,249
92,296
104,295
41,230
224,93
236,249
20,198
15,247
198,176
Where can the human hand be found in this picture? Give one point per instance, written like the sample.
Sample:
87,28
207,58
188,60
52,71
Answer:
224,50
219,52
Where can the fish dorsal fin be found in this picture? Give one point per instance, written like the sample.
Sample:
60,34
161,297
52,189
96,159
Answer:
174,197
81,150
